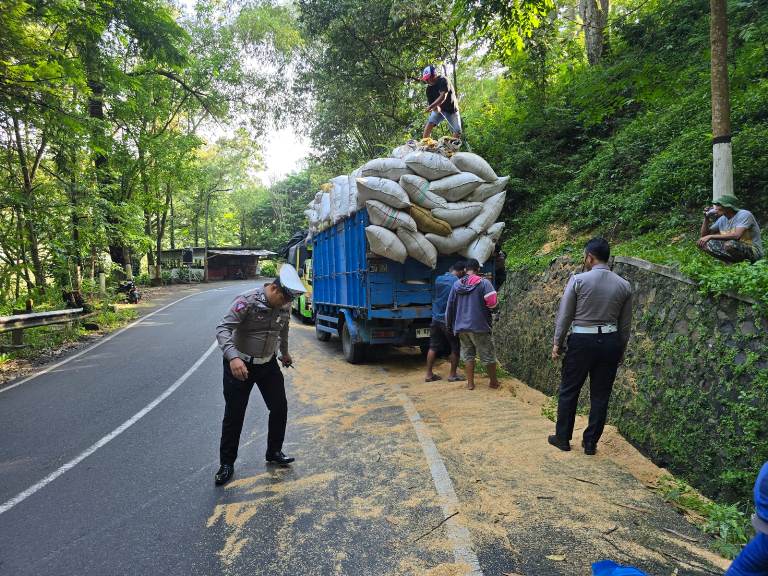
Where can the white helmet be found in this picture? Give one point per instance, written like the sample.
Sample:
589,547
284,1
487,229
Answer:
289,281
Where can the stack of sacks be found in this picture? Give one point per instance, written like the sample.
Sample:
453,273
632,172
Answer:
420,203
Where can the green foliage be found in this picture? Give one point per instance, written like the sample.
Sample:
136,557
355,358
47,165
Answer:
269,268
727,523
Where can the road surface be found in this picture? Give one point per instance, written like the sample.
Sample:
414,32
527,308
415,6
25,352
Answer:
107,464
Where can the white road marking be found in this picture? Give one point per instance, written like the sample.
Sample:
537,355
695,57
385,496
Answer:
109,437
457,533
99,343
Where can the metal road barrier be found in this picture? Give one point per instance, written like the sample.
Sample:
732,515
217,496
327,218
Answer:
18,323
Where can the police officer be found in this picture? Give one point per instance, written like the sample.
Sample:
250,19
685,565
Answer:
248,336
598,303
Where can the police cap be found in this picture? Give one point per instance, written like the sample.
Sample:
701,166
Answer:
289,281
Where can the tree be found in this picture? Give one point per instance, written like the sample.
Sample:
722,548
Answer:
722,166
594,16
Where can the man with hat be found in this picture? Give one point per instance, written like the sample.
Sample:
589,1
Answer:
753,559
597,307
734,236
442,102
249,336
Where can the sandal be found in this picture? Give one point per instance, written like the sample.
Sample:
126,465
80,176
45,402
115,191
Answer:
433,378
456,378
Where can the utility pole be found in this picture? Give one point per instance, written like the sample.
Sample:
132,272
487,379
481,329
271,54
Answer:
722,158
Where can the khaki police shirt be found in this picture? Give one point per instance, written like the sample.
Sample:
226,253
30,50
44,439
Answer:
595,298
253,328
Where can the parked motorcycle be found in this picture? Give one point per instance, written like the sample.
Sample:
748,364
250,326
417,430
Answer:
132,294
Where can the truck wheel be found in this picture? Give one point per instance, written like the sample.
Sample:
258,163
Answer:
354,353
321,335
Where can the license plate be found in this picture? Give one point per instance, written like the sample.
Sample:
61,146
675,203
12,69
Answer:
422,332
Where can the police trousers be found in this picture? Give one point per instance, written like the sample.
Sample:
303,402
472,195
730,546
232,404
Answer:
596,356
269,379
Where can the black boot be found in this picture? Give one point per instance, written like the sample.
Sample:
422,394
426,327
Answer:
279,458
563,445
224,475
590,448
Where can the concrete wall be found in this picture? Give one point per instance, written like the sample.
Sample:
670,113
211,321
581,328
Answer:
693,392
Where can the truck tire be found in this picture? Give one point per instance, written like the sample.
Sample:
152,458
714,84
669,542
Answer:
322,335
354,353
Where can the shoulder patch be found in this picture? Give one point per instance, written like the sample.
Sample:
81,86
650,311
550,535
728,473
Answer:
240,305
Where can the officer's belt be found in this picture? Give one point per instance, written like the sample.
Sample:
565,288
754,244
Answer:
253,359
604,329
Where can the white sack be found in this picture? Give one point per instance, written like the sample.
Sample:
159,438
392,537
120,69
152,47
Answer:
418,247
417,189
454,242
325,207
391,168
353,200
480,249
488,189
402,151
385,243
454,188
339,198
458,213
494,232
490,213
311,215
469,162
382,215
430,165
383,190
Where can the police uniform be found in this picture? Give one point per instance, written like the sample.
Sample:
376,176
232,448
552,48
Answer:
597,306
253,331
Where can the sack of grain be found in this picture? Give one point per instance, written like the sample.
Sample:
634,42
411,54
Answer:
426,222
311,215
418,247
339,198
458,213
324,212
417,189
454,188
402,151
383,190
490,213
391,168
469,162
488,189
480,249
385,243
353,195
430,165
494,232
382,215
455,241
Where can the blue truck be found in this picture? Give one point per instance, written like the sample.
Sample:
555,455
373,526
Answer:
366,299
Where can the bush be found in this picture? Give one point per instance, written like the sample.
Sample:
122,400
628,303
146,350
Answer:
269,268
142,279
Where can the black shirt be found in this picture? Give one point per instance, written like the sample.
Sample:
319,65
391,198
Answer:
433,93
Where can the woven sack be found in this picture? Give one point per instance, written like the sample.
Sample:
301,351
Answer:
486,190
383,190
353,201
454,188
385,243
480,249
494,232
469,162
417,188
426,222
458,239
382,215
391,168
430,165
490,213
418,247
458,213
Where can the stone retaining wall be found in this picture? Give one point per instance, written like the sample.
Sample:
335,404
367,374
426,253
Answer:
693,391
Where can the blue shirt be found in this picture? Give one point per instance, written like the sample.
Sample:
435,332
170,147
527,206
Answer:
753,560
443,285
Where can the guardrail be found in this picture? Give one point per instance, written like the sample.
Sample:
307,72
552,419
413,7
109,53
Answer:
18,323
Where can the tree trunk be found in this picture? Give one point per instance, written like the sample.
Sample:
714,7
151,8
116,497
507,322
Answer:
594,16
173,226
722,165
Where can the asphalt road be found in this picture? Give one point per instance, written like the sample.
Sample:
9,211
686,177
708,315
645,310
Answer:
107,464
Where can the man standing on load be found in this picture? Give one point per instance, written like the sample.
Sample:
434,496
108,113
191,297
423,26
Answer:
249,335
442,102
598,305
